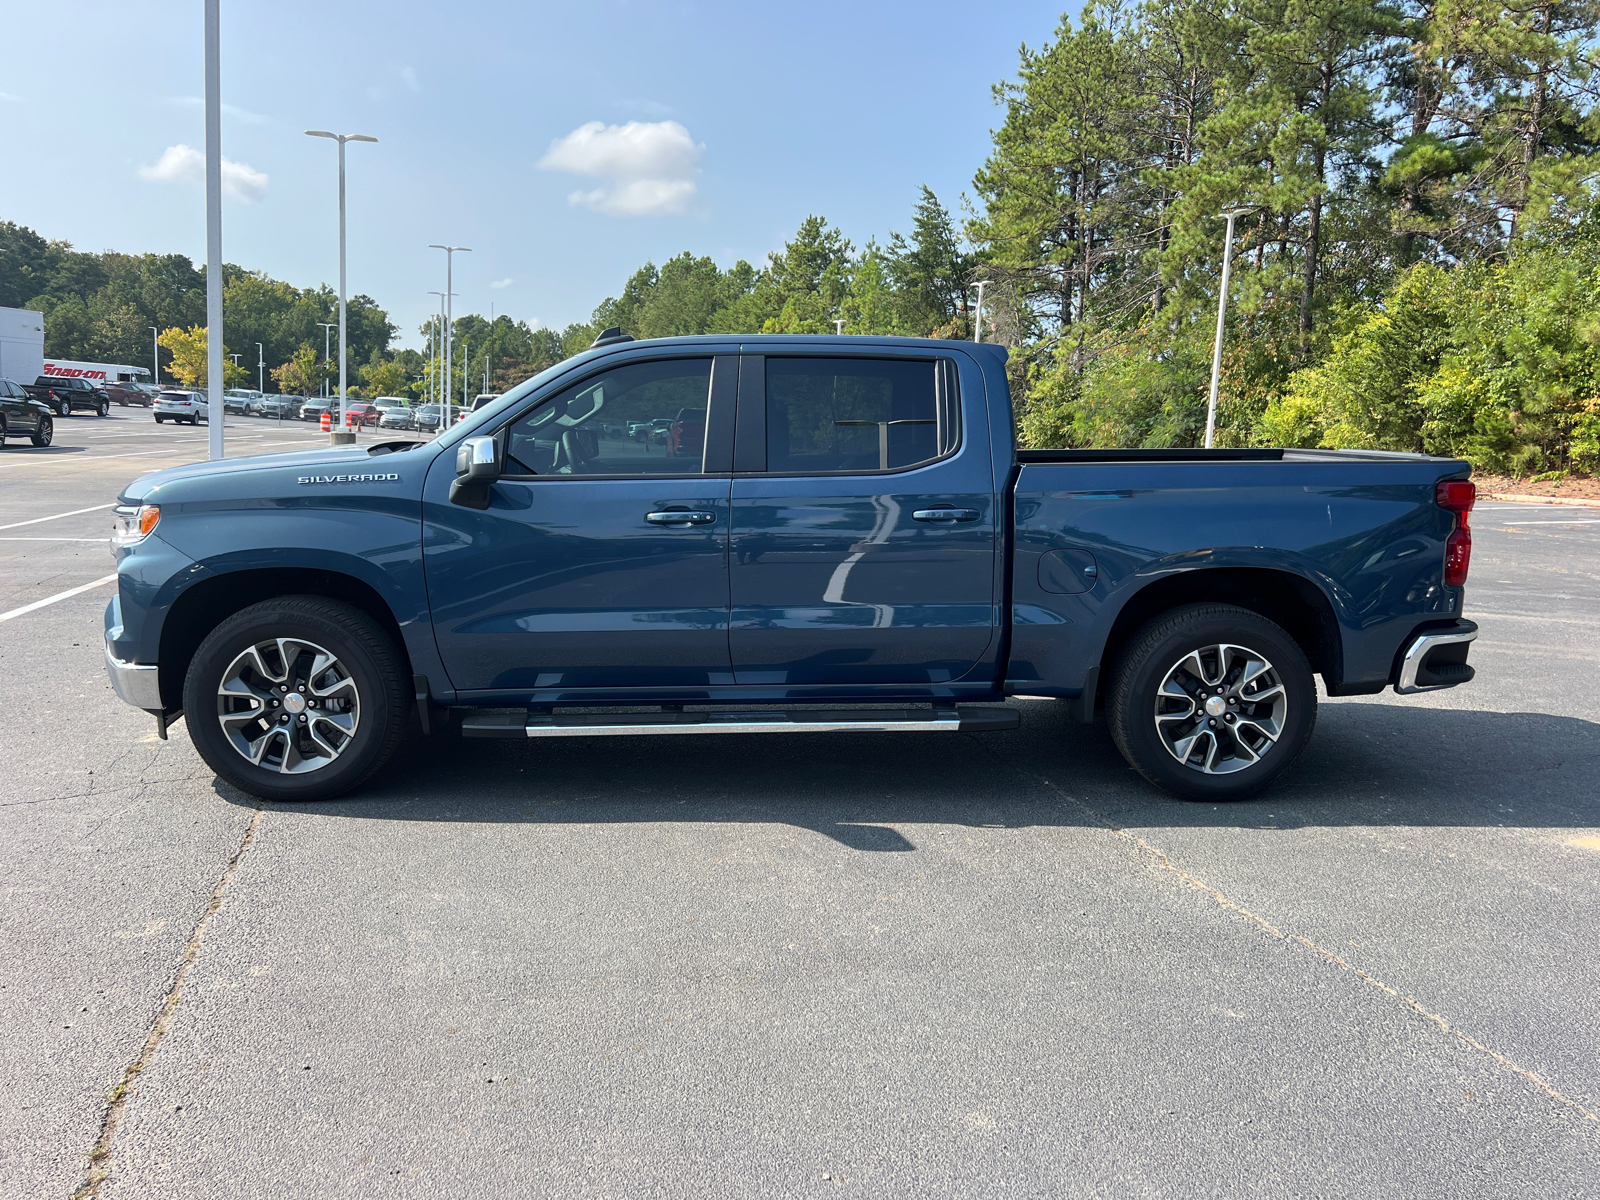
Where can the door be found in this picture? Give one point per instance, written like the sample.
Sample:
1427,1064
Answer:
864,528
601,561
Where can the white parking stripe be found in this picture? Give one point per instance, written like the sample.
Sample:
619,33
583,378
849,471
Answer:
57,516
70,592
40,539
1512,523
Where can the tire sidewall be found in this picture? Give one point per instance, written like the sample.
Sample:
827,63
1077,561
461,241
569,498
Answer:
46,433
1153,651
331,625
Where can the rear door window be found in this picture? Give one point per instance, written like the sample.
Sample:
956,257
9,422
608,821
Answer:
830,415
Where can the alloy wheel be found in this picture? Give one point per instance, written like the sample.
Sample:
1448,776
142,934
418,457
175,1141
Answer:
1221,708
288,705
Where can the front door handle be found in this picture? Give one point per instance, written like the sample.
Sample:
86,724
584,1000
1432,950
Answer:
945,514
680,517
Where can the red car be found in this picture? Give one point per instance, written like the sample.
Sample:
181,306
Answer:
359,413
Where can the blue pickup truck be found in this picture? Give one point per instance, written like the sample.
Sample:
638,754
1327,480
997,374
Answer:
829,534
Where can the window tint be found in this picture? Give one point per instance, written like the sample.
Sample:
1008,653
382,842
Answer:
641,419
856,414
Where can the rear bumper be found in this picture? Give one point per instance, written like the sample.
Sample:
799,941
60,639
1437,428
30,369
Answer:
1436,659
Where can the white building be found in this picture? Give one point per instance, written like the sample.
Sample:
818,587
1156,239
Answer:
21,344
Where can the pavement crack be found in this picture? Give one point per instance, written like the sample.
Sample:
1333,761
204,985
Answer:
1199,885
99,1164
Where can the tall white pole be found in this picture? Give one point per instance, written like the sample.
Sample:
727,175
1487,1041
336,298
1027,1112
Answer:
327,353
344,403
449,322
977,320
155,356
214,417
261,369
1222,312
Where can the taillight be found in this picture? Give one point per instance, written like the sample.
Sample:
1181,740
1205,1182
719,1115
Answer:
1457,496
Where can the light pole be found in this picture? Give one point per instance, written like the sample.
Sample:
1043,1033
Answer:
838,327
261,369
441,391
155,356
449,319
466,361
341,138
327,353
1222,312
214,228
977,319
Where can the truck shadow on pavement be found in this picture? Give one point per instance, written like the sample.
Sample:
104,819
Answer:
1368,765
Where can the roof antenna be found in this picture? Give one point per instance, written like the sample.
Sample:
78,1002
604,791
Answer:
609,336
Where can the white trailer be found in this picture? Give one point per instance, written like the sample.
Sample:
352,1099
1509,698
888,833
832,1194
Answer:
96,373
21,344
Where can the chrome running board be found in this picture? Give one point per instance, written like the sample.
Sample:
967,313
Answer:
515,723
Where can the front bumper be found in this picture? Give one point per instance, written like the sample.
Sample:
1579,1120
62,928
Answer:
1436,659
138,684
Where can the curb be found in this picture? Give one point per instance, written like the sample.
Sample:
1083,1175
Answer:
1512,496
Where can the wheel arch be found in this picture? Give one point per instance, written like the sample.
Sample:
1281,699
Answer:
1289,600
205,605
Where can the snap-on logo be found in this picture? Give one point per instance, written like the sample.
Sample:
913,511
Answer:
304,479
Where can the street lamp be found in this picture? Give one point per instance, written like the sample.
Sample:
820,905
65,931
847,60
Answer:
341,138
155,357
261,369
977,320
449,320
838,327
214,333
327,354
1222,310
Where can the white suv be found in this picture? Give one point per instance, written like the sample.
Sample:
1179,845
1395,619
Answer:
182,407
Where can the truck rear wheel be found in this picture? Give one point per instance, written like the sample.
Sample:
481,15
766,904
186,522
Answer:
296,698
1212,702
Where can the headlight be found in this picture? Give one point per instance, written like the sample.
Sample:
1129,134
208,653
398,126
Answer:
133,524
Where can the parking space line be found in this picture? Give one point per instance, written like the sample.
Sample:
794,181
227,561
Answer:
66,595
57,516
45,539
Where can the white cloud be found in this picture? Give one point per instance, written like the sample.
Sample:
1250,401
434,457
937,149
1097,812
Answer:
650,168
409,76
500,283
8,98
185,164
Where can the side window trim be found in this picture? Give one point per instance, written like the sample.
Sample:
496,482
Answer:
750,434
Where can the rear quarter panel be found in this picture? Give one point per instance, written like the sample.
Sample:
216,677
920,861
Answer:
1367,534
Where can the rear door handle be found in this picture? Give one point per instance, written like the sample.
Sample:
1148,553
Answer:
680,517
945,514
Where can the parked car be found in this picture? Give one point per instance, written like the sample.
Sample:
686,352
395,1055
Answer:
239,400
385,403
359,413
861,528
126,393
281,408
313,408
23,416
686,437
483,398
397,418
426,419
182,407
65,396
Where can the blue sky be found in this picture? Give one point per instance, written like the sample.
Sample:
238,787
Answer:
565,143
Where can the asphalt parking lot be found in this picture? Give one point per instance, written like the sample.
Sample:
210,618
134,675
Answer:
787,965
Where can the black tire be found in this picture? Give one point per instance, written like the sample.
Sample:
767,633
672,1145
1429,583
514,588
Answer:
372,661
45,434
2,433
105,408
1219,765
160,420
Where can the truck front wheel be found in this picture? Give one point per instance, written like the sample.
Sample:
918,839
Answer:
1212,702
296,698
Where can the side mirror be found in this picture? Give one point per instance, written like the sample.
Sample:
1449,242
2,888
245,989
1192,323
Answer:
477,467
